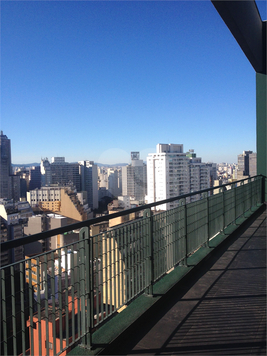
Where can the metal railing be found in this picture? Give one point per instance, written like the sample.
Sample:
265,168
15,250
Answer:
55,299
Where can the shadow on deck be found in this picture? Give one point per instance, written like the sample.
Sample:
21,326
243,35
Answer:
219,308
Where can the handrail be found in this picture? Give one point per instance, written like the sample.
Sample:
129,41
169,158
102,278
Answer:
46,234
65,293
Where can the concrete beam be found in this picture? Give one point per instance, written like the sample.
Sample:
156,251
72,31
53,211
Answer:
244,21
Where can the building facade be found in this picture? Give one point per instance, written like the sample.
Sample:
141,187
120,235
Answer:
5,167
63,200
168,174
171,173
134,178
60,172
199,174
247,164
89,182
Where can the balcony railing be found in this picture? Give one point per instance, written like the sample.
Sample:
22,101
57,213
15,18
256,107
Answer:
56,299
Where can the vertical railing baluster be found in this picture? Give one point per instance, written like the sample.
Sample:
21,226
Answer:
251,195
13,304
244,197
22,306
82,284
105,273
60,296
53,290
185,232
235,197
46,304
128,262
4,320
78,289
130,229
113,254
221,190
96,282
208,219
148,214
125,271
118,259
39,303
91,293
66,306
73,315
100,251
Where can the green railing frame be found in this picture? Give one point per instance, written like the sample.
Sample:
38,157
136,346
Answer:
105,272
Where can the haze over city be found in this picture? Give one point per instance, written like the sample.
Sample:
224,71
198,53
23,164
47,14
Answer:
96,80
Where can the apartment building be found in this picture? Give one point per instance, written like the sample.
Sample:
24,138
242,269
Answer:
134,178
171,172
168,174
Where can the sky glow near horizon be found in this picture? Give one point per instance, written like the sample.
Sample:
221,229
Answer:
94,80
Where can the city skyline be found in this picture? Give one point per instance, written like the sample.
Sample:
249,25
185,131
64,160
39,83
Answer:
97,80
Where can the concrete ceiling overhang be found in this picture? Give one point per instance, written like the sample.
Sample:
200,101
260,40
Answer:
244,21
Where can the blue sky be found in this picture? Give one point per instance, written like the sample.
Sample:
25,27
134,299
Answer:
93,80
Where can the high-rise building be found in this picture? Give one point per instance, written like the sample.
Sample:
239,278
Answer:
46,178
199,174
168,174
5,167
109,182
252,164
114,181
247,164
171,173
34,177
60,172
134,178
89,182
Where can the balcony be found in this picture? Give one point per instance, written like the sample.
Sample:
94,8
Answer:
82,293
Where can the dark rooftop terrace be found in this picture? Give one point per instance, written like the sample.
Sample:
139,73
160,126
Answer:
219,308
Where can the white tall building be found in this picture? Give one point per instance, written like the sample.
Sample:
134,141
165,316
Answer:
134,178
167,174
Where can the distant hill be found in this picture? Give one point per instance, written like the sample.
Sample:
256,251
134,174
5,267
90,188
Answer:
25,164
111,165
98,164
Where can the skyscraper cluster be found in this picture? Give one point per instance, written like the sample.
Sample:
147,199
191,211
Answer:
169,172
